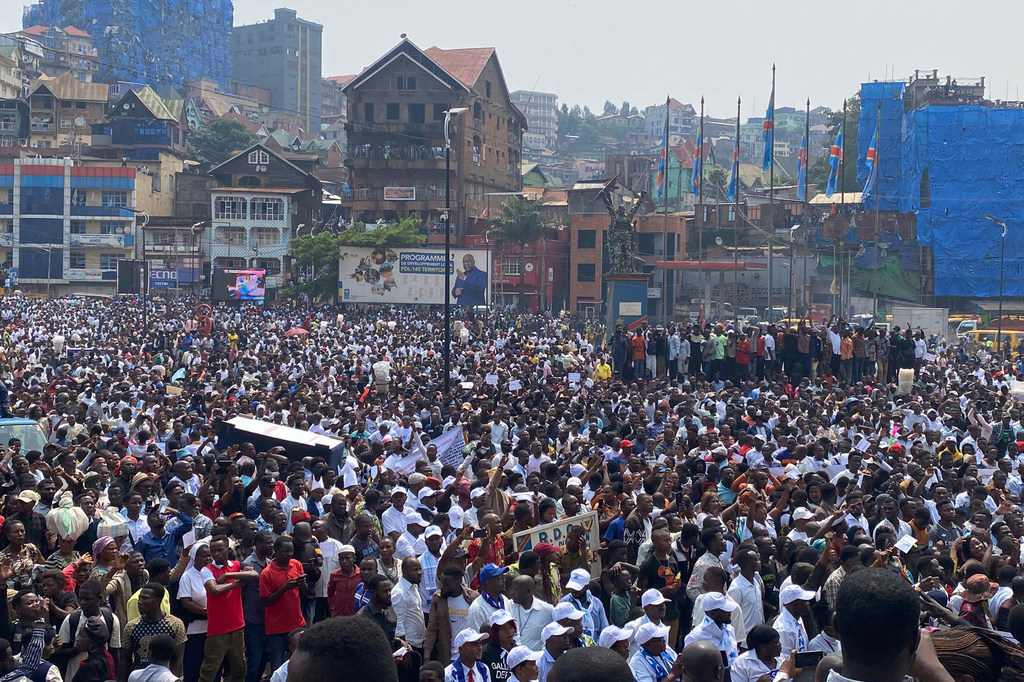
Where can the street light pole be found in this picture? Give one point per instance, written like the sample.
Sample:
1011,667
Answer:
448,114
1002,260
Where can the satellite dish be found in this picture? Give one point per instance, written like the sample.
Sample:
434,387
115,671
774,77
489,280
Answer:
79,122
718,241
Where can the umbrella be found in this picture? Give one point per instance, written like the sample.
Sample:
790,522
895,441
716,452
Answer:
295,331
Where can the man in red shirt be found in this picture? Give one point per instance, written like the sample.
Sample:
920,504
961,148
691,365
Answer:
341,589
280,585
225,633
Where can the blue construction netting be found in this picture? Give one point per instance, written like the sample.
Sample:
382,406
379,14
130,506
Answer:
891,95
157,42
959,164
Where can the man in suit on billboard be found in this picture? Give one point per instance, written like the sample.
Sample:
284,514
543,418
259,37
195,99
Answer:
470,284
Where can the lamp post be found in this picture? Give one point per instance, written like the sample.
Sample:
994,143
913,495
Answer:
448,115
1002,260
792,275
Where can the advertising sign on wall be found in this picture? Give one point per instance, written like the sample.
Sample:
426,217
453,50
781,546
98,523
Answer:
413,275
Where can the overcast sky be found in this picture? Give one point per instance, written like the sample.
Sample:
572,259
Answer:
593,50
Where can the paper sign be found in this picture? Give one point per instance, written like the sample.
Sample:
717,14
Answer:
863,444
929,357
589,383
188,539
515,385
554,533
834,469
466,385
491,379
906,543
794,474
574,377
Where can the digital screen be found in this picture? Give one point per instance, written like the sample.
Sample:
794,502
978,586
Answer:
239,285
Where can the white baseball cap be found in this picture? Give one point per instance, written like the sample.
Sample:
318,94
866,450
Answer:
791,593
468,635
564,610
578,579
612,635
553,630
520,655
717,601
649,631
431,531
477,492
802,513
652,598
500,617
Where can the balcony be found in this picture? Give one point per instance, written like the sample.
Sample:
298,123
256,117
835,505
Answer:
42,128
113,240
100,212
421,198
422,157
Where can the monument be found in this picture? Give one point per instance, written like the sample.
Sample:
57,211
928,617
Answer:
626,276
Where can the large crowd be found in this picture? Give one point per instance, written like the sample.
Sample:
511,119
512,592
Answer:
692,502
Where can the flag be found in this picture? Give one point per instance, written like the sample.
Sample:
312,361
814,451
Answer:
768,132
871,158
659,191
734,180
801,171
698,160
835,158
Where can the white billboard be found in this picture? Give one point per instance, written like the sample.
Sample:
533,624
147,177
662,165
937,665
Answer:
413,275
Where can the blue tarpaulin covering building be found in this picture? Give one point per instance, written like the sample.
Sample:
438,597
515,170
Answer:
156,42
956,164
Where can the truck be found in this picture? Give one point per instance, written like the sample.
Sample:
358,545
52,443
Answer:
930,320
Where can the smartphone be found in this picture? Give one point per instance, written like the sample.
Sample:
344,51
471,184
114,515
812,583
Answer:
480,533
679,498
808,659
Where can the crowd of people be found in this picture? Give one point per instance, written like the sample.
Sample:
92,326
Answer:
689,503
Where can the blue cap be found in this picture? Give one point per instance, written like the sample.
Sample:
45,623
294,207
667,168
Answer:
491,571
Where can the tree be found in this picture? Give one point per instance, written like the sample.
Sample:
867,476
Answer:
609,108
624,109
318,253
521,223
218,140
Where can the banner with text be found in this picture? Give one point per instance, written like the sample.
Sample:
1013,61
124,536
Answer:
554,533
413,275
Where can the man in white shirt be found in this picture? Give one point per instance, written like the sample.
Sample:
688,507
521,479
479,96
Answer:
467,666
531,614
393,519
411,542
556,641
794,603
491,599
717,627
653,661
747,589
407,603
519,661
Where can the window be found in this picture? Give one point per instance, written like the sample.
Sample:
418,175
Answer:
230,208
77,227
478,111
267,208
511,266
77,261
400,82
113,198
111,227
265,237
258,157
487,88
417,113
585,272
8,121
108,261
157,182
78,197
392,112
586,239
439,110
65,122
368,111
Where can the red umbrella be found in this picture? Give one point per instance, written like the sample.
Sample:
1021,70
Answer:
295,331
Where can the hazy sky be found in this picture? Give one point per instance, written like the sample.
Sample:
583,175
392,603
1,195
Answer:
593,50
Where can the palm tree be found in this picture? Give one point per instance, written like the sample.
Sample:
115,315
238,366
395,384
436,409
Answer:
521,223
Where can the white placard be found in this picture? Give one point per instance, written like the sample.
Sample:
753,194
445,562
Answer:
466,385
574,377
631,309
188,539
906,543
491,379
515,385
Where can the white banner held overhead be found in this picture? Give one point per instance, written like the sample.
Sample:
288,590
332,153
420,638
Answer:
449,447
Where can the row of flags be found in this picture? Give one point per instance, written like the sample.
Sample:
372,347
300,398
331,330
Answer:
835,158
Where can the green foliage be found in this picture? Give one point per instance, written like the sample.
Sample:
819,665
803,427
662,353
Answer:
217,140
520,224
405,232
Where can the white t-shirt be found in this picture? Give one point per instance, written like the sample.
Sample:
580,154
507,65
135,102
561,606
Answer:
66,636
191,585
458,615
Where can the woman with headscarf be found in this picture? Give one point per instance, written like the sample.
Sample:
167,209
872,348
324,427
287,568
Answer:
973,654
105,557
98,665
192,594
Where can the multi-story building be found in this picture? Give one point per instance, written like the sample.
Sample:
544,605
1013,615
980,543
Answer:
161,43
65,224
396,137
13,123
65,50
283,55
27,53
335,105
63,110
261,200
682,122
142,125
541,111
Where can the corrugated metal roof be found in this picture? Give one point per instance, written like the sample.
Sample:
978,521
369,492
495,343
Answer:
77,33
157,106
465,64
67,88
837,198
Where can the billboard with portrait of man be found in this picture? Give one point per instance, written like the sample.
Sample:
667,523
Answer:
413,275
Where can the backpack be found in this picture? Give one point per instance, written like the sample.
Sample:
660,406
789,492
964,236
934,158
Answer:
75,619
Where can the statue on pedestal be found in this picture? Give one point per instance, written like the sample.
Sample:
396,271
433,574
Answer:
622,236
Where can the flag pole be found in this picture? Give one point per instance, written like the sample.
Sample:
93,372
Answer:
664,222
736,217
806,209
842,202
700,215
771,208
877,170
